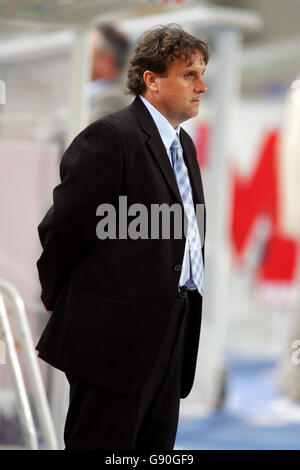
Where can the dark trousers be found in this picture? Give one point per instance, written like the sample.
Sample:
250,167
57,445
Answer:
146,420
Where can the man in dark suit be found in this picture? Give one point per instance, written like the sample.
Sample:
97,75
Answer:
126,304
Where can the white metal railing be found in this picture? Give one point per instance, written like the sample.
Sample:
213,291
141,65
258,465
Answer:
34,374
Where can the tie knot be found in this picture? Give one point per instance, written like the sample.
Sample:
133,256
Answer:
175,150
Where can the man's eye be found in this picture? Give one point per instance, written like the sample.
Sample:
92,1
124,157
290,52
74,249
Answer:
188,75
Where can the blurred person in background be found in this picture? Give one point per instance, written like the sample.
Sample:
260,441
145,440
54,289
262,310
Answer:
126,311
106,90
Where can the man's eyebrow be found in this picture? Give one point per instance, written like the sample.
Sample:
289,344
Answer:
189,69
192,64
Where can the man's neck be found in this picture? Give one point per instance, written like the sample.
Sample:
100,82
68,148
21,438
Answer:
152,101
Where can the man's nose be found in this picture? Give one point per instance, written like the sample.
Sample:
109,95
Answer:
200,86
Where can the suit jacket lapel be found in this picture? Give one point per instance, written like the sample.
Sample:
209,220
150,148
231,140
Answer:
157,148
193,167
155,145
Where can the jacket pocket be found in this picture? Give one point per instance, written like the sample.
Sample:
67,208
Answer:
102,293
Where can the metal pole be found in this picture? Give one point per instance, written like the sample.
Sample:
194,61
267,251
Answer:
216,300
13,364
31,362
80,73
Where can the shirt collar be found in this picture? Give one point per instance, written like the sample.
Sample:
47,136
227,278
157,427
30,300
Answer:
166,131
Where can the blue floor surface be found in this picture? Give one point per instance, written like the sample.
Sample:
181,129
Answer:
255,416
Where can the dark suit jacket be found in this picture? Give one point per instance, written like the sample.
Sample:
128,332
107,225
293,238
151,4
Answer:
112,298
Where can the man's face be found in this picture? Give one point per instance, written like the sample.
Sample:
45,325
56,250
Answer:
177,95
103,62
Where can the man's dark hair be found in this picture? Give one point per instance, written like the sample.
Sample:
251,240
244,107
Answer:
156,49
115,42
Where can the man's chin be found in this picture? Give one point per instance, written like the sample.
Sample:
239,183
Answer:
194,112
189,114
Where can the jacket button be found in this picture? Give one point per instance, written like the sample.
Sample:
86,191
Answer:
168,310
177,267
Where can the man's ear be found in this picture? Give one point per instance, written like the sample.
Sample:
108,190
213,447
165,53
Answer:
151,80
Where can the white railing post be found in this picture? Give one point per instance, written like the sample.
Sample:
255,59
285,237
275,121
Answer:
37,386
17,379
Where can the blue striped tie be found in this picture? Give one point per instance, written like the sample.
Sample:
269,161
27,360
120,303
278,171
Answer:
193,238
